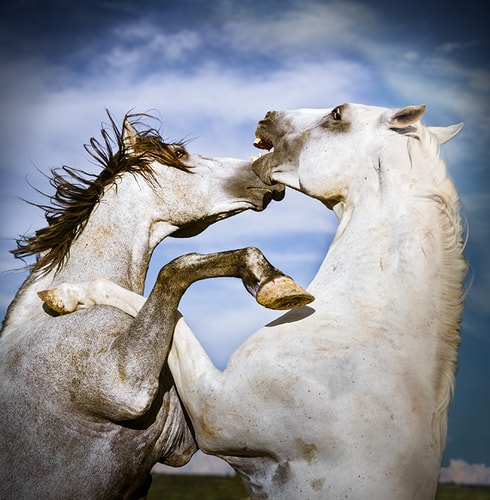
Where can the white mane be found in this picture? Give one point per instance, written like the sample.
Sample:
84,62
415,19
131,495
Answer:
454,270
454,267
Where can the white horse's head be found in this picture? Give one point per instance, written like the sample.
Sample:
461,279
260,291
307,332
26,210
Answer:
329,153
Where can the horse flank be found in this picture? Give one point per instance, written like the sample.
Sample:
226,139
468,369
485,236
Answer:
78,192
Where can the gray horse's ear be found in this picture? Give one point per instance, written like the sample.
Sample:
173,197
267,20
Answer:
128,134
407,116
444,134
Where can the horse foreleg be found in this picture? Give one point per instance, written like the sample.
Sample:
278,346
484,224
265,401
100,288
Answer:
69,297
280,292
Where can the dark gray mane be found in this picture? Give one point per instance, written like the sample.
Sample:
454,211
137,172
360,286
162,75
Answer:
77,192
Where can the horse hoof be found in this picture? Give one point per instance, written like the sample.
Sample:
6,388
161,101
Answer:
53,301
282,293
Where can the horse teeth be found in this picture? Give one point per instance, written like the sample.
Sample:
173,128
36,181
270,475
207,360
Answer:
255,158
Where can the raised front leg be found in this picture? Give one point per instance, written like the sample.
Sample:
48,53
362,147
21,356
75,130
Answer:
280,293
130,368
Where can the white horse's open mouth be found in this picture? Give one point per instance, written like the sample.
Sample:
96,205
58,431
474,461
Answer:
261,164
261,143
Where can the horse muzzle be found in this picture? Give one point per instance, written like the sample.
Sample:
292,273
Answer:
277,193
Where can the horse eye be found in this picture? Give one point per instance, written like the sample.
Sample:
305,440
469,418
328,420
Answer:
179,152
336,114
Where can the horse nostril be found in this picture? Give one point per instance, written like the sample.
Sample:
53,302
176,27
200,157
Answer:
279,193
267,198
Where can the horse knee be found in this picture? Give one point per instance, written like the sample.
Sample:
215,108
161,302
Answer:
128,403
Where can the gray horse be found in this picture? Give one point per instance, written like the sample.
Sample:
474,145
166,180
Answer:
88,402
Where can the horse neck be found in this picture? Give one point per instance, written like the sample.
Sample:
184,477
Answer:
399,242
116,243
118,239
395,272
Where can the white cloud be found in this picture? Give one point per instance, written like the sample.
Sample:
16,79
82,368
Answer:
411,55
214,99
316,33
305,27
141,44
451,91
460,472
449,47
213,104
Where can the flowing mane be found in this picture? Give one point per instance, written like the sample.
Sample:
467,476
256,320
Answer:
78,192
453,233
452,300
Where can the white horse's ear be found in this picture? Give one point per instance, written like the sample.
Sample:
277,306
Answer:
407,116
129,134
444,134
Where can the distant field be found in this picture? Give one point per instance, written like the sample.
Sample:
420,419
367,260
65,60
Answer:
185,487
453,492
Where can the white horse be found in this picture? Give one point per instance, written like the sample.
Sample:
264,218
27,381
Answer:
348,398
88,405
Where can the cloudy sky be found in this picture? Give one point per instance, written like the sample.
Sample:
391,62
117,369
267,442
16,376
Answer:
209,70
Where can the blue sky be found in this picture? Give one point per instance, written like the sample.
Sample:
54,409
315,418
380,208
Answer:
210,70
